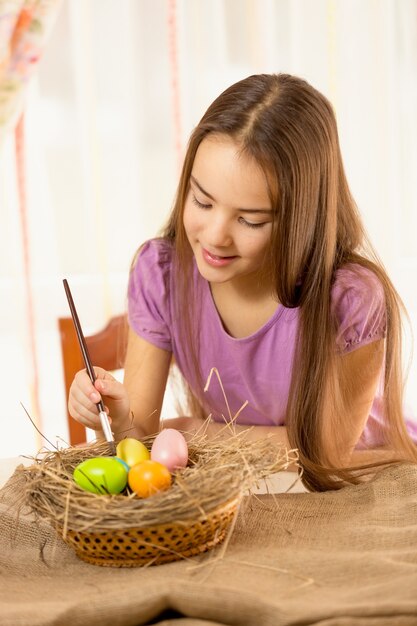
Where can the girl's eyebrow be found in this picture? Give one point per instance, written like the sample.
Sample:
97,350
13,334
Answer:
206,193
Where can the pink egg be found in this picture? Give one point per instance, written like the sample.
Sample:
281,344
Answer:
170,449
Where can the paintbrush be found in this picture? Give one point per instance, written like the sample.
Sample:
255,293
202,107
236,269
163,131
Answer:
105,424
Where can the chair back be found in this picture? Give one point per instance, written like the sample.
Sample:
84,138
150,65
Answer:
107,349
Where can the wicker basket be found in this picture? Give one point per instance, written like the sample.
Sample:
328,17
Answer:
191,517
135,547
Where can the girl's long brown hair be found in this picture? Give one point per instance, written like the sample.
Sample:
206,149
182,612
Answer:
289,128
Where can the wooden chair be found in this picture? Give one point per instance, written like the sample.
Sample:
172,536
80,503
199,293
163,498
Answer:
106,348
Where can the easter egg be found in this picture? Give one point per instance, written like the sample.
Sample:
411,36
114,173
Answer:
170,448
149,477
101,474
132,451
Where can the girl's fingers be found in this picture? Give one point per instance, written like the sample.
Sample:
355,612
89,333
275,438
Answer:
105,384
89,417
110,387
95,396
83,408
102,374
87,398
82,384
84,396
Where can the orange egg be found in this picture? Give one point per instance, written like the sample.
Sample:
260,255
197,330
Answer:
148,477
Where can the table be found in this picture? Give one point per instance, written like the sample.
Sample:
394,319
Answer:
324,559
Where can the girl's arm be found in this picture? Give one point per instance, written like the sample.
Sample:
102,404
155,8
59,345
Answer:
134,406
193,425
145,377
360,371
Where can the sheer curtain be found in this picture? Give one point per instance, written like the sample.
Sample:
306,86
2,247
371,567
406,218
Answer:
119,88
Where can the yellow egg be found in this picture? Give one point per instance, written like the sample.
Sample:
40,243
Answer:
132,451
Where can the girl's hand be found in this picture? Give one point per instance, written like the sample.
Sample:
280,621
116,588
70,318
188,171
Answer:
83,397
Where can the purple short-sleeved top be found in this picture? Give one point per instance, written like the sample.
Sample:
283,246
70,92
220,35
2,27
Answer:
256,368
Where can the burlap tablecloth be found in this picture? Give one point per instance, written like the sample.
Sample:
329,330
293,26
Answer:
346,558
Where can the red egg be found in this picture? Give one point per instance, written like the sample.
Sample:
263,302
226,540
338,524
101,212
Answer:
170,448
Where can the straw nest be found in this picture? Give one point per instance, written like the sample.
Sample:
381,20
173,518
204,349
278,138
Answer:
217,471
198,510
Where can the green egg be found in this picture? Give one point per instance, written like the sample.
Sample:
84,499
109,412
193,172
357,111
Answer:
103,475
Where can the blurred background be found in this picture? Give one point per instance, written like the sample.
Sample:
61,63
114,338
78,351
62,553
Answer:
109,91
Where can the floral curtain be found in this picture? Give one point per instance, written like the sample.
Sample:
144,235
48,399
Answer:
24,29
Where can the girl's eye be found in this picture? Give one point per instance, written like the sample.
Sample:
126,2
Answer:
200,205
242,220
252,224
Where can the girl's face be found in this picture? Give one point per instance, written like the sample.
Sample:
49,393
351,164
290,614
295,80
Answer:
227,213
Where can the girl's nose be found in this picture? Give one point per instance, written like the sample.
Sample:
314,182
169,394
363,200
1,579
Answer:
219,233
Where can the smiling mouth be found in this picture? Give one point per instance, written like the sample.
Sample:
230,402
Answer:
217,261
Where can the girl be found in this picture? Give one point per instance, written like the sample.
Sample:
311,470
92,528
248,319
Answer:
264,272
